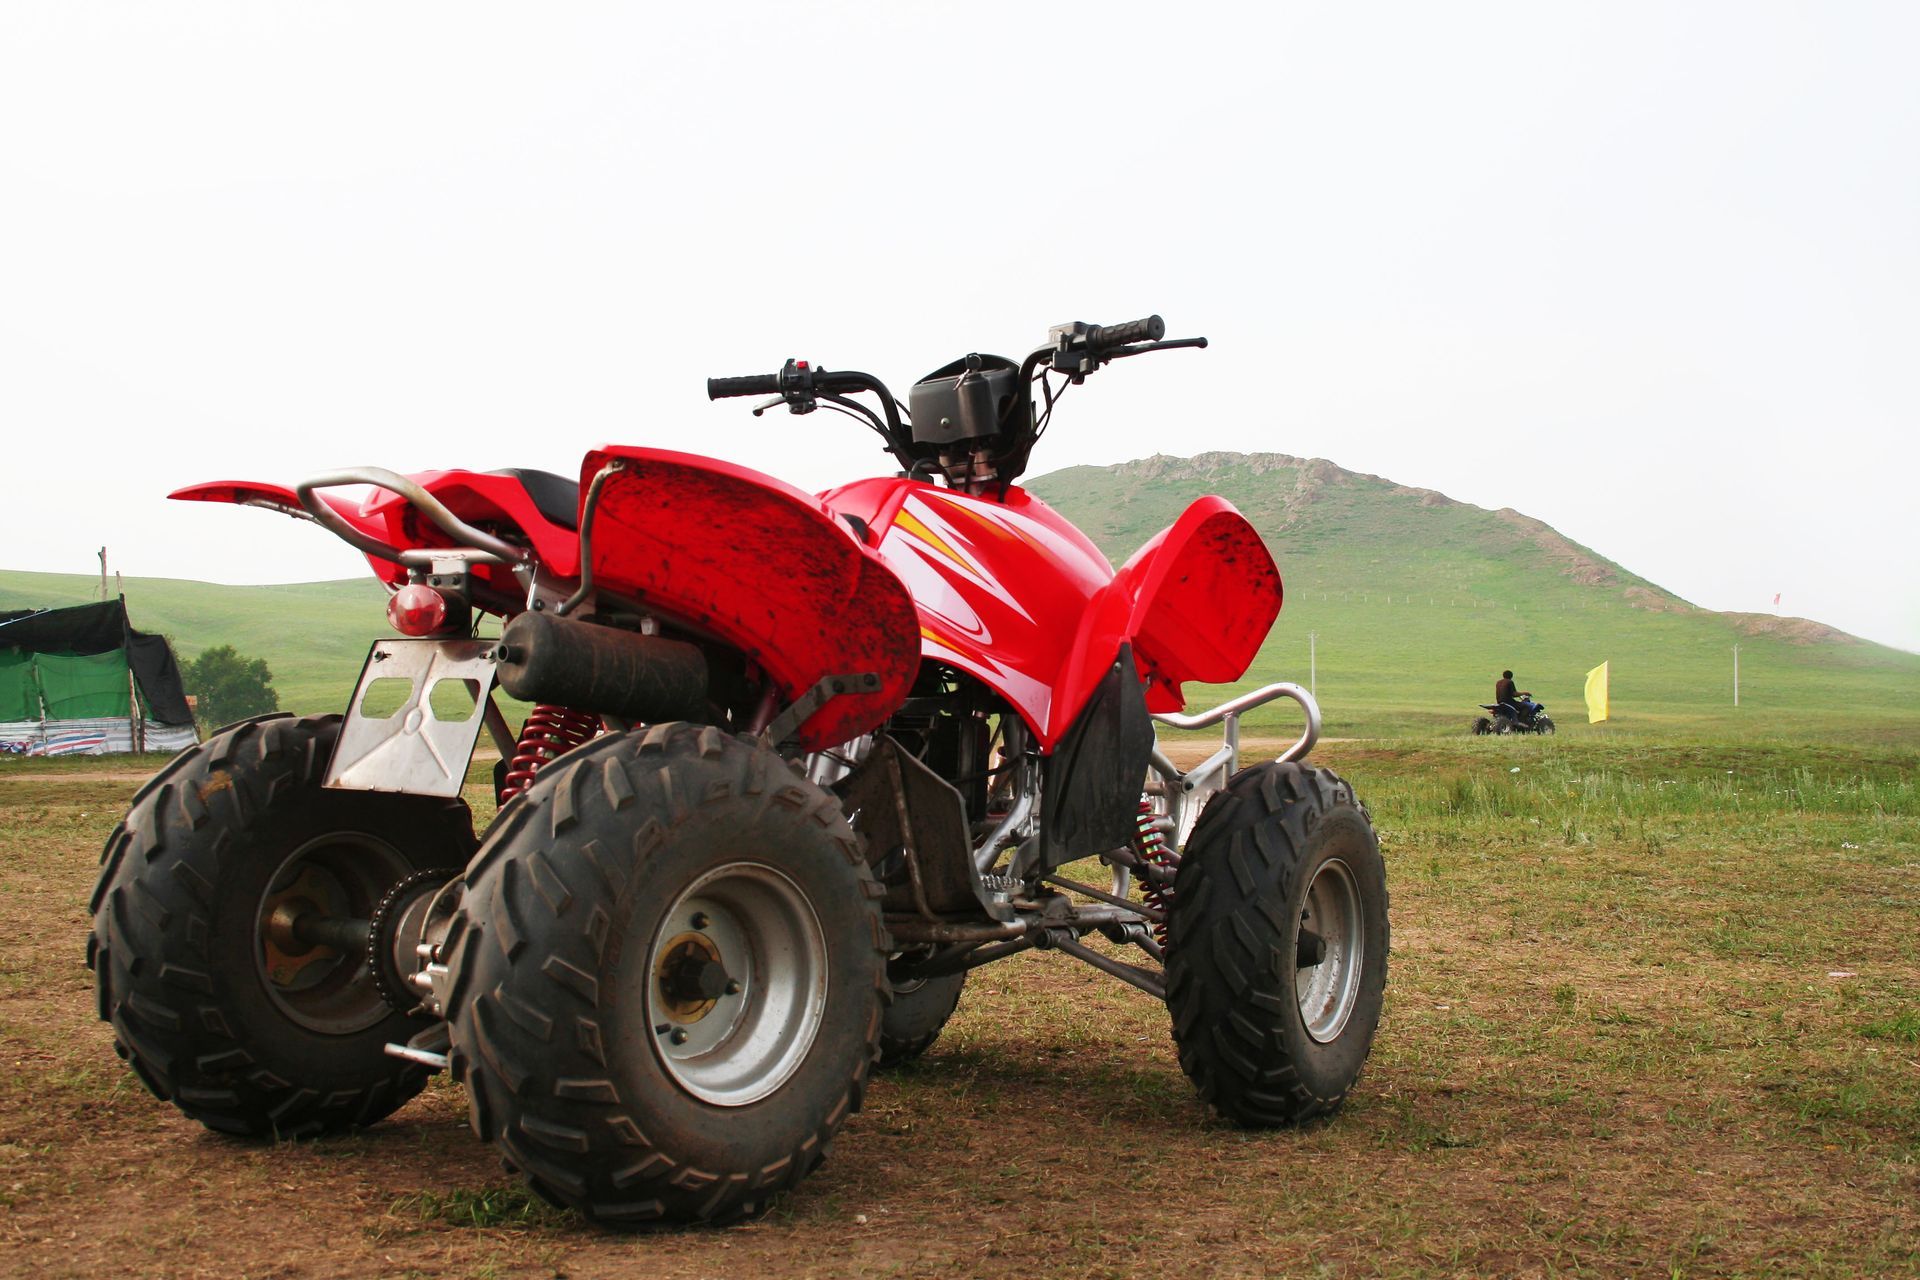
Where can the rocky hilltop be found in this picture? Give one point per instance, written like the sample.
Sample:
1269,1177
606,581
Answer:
1350,530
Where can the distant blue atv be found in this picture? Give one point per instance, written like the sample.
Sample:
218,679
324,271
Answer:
1507,717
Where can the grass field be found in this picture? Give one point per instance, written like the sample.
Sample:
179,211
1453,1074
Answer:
1654,1009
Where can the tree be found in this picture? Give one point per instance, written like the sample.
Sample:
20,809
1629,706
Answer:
229,686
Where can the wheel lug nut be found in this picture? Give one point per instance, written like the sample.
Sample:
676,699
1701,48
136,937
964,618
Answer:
733,987
679,1035
700,920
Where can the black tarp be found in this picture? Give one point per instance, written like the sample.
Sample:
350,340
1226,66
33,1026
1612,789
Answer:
103,628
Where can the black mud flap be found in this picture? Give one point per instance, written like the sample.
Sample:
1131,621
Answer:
1095,776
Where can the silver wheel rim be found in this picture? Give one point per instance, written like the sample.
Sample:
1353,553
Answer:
736,984
1328,991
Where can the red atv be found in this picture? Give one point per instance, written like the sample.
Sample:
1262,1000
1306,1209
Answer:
795,766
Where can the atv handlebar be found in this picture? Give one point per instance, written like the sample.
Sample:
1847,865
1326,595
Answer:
1102,337
803,387
1075,350
799,380
754,384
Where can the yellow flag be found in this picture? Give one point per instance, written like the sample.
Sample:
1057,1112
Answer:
1597,694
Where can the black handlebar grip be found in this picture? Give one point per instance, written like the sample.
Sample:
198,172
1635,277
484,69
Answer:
1104,336
757,384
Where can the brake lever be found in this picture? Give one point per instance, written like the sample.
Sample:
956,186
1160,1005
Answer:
796,389
1119,353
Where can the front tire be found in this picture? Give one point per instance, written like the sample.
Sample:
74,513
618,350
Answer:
917,1015
667,978
214,1005
1277,946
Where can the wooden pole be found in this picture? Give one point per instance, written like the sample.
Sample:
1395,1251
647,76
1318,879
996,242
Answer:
136,726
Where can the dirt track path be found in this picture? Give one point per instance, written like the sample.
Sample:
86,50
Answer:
93,775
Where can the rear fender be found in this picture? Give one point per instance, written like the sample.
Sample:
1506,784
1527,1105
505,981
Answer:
480,499
475,497
243,493
274,497
764,567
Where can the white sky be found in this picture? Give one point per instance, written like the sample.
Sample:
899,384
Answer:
1649,272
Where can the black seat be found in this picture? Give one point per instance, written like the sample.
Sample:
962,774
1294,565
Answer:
555,497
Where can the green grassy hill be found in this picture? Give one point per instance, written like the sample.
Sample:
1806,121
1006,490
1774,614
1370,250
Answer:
1419,601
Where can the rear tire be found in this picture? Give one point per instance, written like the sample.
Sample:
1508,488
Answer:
1283,856
1482,726
916,1017
246,1034
667,978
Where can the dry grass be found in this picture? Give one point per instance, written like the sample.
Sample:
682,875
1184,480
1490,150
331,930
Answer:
1613,1045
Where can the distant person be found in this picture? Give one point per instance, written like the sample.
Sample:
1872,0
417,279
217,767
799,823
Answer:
1520,703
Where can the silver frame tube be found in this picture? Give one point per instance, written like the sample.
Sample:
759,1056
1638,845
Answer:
1187,792
1026,786
1231,709
480,547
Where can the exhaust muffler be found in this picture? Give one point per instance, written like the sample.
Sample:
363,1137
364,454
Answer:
649,679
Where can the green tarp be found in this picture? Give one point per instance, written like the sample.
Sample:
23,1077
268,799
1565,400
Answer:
83,686
19,695
71,686
89,629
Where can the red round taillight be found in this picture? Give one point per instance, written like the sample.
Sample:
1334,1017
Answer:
417,610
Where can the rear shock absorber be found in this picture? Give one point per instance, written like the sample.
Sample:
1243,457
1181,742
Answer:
549,731
1156,873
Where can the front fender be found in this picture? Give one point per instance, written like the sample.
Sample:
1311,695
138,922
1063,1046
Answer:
1200,597
1010,592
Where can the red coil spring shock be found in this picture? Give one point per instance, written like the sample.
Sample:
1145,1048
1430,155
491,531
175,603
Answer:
1152,848
549,730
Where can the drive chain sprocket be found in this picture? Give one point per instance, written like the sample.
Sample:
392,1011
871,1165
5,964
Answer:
388,980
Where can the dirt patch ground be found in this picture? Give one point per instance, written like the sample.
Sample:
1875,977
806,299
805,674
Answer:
1614,1045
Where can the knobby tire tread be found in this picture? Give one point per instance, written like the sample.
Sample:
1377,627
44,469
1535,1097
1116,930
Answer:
528,1039
1228,930
915,1019
149,947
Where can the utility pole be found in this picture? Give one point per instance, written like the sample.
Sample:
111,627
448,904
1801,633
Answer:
1736,675
103,573
1313,667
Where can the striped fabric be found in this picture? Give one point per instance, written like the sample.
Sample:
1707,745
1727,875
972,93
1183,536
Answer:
107,736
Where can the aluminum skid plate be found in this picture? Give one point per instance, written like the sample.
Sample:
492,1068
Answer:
411,750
